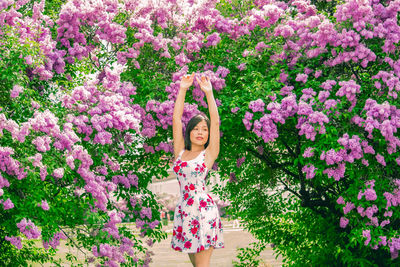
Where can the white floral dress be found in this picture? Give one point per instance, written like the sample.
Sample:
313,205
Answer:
197,223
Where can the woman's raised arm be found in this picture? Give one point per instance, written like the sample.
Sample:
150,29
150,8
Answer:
213,146
177,134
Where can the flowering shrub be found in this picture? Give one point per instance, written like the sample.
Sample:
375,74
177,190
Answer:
307,95
314,167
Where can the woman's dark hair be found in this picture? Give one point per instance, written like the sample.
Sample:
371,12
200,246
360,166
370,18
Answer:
191,124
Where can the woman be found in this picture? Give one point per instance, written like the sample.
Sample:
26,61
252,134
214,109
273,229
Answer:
197,224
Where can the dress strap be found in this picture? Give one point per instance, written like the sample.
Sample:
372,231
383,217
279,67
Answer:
180,154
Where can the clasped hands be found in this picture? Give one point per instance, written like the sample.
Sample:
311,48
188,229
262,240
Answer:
204,82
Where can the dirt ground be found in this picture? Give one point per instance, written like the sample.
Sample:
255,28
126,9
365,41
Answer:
234,238
164,256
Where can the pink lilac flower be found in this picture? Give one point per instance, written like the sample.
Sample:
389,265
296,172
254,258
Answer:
309,170
154,224
247,120
323,96
388,213
213,39
42,143
257,105
44,205
35,105
181,59
380,159
370,211
17,89
241,66
15,240
54,242
284,30
382,240
232,177
58,173
246,53
340,200
43,173
367,235
336,173
36,160
146,212
133,202
4,182
308,152
139,223
167,147
361,211
349,89
261,46
301,77
343,222
328,84
8,204
148,149
240,161
370,194
283,76
28,228
222,71
349,206
28,60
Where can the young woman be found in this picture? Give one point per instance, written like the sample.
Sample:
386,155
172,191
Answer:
197,224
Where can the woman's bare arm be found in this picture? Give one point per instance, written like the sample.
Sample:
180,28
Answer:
178,139
212,150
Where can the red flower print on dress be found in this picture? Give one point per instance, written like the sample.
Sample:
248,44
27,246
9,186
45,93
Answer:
188,244
186,196
176,248
194,230
203,203
190,201
202,168
179,236
184,164
192,187
176,168
179,229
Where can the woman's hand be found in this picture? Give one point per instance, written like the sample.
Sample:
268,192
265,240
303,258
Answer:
205,84
187,81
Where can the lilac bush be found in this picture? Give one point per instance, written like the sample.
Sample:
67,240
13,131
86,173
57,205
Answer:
307,92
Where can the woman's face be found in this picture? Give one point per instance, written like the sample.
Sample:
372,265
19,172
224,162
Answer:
199,134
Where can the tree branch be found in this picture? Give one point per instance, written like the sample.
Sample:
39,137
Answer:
273,165
78,247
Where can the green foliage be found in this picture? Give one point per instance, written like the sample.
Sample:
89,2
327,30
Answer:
249,256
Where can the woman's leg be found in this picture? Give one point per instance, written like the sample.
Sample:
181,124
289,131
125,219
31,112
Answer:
191,256
202,258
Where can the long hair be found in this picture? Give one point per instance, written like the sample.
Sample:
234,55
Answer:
191,124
